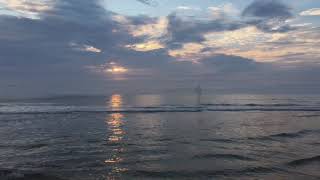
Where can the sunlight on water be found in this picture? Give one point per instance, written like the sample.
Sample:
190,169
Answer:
115,101
114,123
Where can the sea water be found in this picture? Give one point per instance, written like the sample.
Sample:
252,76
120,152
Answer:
156,136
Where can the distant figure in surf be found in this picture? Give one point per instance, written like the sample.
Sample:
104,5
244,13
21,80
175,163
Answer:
199,93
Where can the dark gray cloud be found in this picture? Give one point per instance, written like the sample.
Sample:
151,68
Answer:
271,26
226,63
149,2
268,9
36,54
81,11
47,40
184,31
268,15
142,20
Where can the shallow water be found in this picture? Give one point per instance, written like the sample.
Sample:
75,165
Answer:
161,136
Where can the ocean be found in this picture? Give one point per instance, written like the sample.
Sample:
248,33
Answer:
160,136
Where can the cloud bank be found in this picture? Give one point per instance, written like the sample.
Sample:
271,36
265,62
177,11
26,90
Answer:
78,46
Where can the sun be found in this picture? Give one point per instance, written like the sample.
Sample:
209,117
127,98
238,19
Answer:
116,69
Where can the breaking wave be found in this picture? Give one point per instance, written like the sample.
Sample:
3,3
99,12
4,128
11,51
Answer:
45,108
272,137
304,161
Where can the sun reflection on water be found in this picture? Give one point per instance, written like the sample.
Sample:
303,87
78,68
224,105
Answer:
115,101
115,124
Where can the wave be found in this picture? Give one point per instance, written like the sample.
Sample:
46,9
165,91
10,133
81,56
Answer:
201,173
273,105
159,111
53,108
272,137
218,140
218,104
309,115
304,161
285,135
149,152
101,111
268,109
222,156
25,147
253,104
292,135
16,175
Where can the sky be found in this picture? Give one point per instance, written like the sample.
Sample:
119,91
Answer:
54,47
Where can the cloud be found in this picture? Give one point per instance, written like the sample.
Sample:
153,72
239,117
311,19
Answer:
28,8
223,10
149,2
184,8
155,29
234,42
188,51
253,43
46,41
192,30
188,8
231,64
145,32
120,19
69,47
86,48
195,39
269,15
146,46
272,25
38,51
294,47
248,36
142,27
92,49
109,68
70,38
268,9
311,12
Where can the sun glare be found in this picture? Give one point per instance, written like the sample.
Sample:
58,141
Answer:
116,69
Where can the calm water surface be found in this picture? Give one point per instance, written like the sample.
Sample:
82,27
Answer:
161,137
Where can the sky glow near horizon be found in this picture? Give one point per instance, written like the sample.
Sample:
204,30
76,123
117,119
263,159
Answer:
154,39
